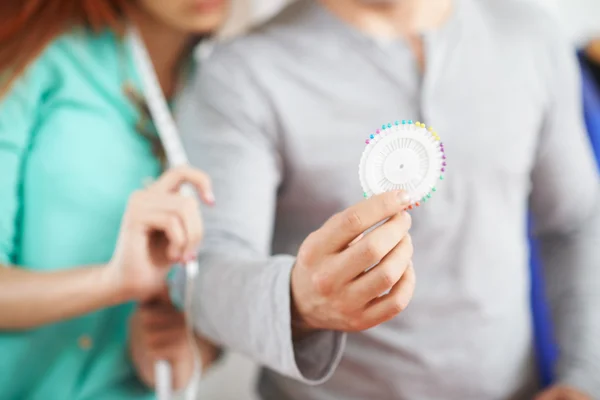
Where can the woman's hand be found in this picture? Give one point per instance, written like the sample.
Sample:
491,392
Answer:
158,332
160,227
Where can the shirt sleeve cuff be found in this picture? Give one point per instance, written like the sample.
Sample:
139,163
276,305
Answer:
247,310
318,355
315,356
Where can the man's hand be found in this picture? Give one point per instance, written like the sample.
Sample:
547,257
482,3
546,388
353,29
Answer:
331,287
562,393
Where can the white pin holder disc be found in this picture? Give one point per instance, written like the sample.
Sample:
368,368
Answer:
403,156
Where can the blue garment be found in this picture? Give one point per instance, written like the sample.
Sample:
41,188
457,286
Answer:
591,108
545,343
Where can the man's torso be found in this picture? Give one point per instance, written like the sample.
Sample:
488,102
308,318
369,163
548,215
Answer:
467,332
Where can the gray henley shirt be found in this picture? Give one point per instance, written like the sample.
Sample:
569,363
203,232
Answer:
278,119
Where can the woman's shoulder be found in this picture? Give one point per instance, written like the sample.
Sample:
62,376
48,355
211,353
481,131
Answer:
74,53
77,63
84,51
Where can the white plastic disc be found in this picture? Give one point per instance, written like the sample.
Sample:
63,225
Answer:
403,156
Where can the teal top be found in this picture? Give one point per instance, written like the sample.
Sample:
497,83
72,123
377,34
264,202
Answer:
71,154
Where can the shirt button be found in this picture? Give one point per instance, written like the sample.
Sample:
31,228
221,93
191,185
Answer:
85,342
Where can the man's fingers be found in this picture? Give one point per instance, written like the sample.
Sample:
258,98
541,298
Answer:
356,240
331,258
386,307
344,227
382,277
372,248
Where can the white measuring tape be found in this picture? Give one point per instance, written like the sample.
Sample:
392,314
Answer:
176,156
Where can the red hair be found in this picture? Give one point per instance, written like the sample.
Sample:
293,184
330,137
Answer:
28,26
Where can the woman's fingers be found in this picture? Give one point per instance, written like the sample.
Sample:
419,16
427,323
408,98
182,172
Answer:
159,333
172,226
161,324
160,318
161,298
190,214
177,216
161,226
167,347
173,179
163,332
182,372
165,338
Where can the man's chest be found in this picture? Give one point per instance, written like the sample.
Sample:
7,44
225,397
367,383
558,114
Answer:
489,126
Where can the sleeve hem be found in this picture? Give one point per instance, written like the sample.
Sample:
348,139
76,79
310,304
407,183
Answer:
318,356
314,359
243,305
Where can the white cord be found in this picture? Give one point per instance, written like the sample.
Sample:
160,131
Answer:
169,136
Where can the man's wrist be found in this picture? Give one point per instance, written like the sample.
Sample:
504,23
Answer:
300,329
300,332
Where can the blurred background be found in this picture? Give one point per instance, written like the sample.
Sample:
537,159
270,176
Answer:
235,377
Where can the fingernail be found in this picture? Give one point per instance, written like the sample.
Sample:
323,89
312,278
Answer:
210,198
190,257
176,257
403,197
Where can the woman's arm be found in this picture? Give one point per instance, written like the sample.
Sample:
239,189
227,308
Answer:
160,227
29,299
